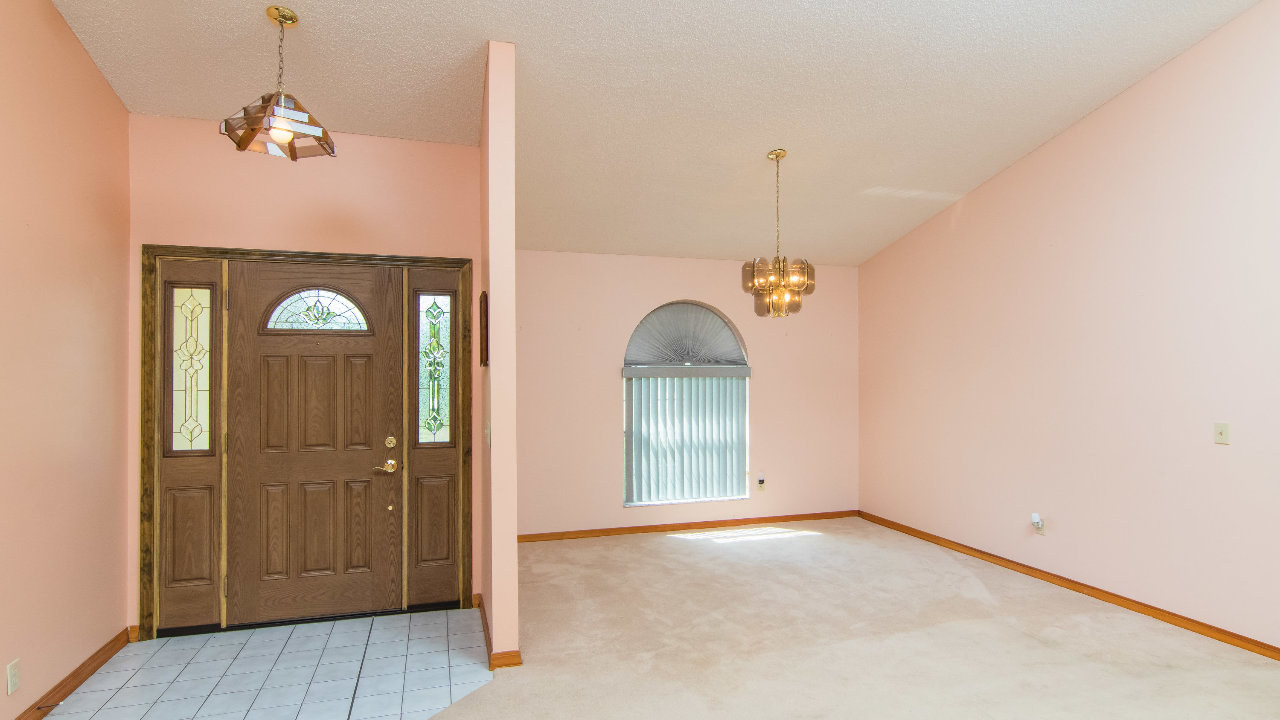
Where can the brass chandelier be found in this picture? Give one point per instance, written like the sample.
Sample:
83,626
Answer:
277,124
777,284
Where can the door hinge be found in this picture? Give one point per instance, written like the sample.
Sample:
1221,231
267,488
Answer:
226,299
224,586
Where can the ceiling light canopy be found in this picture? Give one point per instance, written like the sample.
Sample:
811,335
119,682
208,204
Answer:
777,284
290,131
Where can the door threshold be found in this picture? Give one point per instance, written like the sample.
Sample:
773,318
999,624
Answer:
202,629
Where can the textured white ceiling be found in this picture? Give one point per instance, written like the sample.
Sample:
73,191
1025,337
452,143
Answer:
642,127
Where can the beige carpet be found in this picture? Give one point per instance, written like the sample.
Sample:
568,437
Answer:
853,621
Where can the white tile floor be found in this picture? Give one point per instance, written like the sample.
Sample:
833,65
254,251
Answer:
406,667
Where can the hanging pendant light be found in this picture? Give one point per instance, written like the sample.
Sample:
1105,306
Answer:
290,131
777,284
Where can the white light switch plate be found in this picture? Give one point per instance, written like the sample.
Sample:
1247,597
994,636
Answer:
12,672
1222,433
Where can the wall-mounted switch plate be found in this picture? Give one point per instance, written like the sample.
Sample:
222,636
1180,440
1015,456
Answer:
1221,434
14,675
760,484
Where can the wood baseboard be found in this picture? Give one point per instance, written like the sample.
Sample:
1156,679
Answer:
68,684
507,658
1186,623
673,527
510,658
484,625
133,633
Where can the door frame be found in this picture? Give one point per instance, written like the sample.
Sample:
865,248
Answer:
152,404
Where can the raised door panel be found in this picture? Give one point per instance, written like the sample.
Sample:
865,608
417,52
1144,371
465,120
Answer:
317,528
274,400
319,403
434,528
275,531
359,526
358,384
190,536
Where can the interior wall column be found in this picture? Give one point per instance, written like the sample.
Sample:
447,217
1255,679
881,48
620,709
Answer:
502,589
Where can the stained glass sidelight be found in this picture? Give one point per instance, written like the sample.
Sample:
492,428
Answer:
192,314
433,368
317,309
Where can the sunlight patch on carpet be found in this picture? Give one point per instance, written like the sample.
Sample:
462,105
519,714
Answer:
744,534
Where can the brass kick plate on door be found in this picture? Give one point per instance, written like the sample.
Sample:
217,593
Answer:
391,442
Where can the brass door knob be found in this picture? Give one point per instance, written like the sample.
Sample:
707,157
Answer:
387,467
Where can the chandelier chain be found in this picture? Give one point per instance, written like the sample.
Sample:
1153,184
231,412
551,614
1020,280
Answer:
777,203
280,56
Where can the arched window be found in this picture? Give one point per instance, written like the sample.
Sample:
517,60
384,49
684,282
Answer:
685,374
317,309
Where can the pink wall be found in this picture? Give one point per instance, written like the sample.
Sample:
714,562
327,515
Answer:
378,196
64,218
803,389
501,588
1063,338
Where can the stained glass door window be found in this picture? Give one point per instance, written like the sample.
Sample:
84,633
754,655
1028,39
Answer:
434,343
192,315
317,309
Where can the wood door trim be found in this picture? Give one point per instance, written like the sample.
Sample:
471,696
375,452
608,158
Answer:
224,458
406,457
152,398
300,256
464,440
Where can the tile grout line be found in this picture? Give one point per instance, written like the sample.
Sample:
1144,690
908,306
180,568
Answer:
224,674
116,691
352,702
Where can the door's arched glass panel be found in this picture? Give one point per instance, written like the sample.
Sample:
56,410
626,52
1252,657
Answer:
192,313
317,309
434,341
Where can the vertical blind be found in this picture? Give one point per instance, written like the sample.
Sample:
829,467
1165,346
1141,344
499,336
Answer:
686,439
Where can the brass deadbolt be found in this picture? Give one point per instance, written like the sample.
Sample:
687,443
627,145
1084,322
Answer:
391,442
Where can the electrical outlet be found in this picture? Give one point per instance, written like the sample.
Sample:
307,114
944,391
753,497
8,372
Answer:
13,672
1037,523
760,484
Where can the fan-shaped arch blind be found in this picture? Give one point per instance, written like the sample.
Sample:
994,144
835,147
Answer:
684,339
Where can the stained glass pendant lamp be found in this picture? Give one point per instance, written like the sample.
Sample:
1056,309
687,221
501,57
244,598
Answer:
777,284
277,124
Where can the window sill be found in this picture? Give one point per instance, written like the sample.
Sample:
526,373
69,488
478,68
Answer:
685,502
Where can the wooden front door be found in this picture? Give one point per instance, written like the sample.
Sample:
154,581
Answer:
315,405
